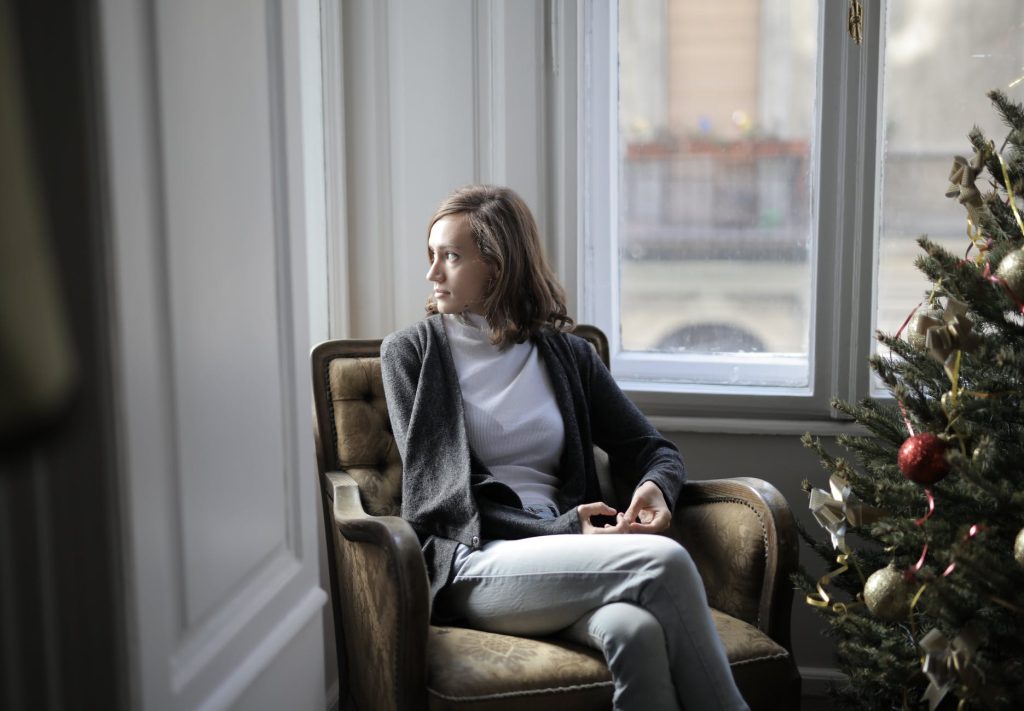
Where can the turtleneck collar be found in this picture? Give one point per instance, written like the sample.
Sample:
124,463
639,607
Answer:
469,321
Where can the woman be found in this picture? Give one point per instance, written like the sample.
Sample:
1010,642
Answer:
496,410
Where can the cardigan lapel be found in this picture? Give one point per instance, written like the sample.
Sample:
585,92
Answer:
575,465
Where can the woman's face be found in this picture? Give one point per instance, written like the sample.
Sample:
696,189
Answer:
457,269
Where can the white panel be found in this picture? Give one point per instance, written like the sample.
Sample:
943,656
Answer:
432,120
333,254
211,118
221,260
561,152
367,169
518,72
145,427
437,95
293,683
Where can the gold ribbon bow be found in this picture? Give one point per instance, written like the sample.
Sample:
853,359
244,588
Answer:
834,510
962,177
918,323
945,663
952,333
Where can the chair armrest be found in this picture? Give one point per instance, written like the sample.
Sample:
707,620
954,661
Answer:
741,534
383,599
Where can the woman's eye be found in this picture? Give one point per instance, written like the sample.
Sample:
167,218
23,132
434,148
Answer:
450,256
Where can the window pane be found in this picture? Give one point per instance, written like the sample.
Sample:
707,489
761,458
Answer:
940,60
716,117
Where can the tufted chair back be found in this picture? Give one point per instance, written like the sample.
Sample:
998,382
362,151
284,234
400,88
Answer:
356,406
353,402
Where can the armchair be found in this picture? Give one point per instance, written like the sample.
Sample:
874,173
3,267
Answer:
739,532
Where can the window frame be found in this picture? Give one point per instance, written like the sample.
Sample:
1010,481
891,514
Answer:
845,155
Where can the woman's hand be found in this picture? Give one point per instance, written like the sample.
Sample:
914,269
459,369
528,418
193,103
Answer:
599,508
648,512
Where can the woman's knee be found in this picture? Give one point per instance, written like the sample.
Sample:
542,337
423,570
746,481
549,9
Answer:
623,626
676,564
670,554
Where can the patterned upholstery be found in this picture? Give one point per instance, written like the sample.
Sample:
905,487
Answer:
468,669
736,530
726,539
367,450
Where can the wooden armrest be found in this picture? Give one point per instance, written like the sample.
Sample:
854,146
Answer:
383,598
742,536
343,491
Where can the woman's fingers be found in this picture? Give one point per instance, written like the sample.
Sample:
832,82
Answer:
646,519
595,508
618,527
599,508
651,521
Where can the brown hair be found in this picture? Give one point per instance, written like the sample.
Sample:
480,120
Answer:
525,297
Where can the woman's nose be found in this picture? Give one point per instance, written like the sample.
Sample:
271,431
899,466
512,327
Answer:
434,274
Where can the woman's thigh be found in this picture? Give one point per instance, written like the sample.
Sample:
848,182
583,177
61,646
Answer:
537,586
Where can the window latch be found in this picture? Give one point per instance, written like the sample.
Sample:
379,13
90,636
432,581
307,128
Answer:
855,21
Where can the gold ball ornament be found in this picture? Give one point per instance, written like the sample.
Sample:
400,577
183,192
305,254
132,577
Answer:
1011,271
887,594
1018,548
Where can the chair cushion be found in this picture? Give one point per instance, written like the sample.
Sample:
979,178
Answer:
469,669
763,669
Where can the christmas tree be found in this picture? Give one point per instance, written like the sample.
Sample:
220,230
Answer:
925,546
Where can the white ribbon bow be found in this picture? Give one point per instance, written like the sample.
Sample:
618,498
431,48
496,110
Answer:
832,511
944,663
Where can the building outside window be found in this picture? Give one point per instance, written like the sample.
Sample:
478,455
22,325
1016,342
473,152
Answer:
748,140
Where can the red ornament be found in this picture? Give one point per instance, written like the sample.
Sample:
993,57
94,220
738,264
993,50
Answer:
922,459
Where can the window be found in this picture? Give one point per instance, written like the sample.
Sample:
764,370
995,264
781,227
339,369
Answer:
714,229
939,60
729,166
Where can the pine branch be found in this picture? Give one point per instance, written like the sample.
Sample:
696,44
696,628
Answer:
1011,112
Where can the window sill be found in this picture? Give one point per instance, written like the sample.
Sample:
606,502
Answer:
743,411
750,426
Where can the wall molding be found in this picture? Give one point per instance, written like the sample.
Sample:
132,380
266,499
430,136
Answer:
816,680
215,632
284,295
335,157
563,146
368,129
752,426
489,93
244,674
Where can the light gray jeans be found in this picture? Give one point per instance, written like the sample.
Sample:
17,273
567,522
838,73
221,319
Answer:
636,598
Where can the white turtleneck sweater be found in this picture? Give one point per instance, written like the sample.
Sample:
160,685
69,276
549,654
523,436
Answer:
512,419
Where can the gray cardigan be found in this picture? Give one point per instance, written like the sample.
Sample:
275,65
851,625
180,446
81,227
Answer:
449,497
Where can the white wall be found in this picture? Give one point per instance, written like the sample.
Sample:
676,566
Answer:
436,95
212,123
